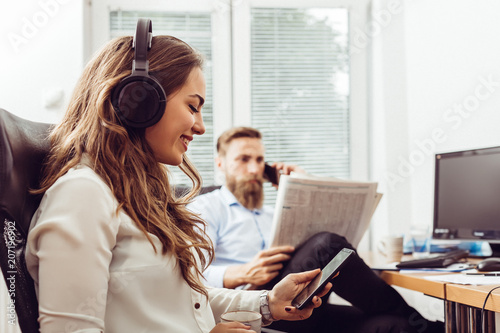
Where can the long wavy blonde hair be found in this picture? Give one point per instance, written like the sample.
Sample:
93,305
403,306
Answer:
123,159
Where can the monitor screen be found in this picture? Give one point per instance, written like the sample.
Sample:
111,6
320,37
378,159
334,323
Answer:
467,195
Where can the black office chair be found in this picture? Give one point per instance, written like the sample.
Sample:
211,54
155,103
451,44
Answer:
23,147
182,190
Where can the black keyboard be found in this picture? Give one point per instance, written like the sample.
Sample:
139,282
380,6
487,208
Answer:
440,261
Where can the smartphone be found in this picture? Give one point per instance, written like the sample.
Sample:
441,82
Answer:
320,281
271,174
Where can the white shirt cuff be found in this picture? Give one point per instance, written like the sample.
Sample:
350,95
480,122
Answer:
215,276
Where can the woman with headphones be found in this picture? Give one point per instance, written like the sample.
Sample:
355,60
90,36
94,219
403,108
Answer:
111,249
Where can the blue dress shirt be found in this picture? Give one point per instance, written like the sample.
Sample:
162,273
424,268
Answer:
237,233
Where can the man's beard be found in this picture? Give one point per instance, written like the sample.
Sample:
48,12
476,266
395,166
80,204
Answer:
249,194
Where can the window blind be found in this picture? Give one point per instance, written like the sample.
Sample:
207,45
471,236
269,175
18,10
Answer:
195,29
300,88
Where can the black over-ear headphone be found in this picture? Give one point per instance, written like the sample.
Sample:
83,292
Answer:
139,99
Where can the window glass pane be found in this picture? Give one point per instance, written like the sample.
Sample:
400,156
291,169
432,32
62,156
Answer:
300,87
195,29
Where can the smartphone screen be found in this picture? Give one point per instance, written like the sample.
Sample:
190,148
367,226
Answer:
271,174
319,282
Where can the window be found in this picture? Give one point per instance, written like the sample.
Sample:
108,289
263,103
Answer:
295,84
281,66
300,88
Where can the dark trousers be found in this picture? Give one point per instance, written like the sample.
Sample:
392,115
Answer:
377,307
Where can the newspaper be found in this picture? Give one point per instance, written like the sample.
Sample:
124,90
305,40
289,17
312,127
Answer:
306,205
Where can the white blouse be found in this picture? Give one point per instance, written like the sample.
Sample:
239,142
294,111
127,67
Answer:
95,271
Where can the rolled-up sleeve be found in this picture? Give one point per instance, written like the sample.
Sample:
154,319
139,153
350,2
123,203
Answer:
222,300
69,254
214,275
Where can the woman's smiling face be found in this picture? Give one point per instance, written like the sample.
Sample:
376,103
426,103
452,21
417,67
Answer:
169,138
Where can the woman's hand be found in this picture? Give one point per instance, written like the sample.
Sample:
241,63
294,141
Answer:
232,327
281,296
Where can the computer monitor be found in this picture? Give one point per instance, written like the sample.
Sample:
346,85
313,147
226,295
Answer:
467,196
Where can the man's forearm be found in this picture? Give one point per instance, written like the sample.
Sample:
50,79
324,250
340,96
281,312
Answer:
233,277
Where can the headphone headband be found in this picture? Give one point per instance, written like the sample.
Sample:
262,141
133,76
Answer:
141,45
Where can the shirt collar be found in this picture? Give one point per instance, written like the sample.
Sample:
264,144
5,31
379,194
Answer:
228,196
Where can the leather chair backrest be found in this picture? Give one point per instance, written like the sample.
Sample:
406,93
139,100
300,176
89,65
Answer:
23,147
181,191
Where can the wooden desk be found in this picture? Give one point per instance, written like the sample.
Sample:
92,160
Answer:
463,308
474,295
463,303
416,282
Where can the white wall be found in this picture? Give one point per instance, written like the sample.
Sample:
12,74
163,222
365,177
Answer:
41,54
432,64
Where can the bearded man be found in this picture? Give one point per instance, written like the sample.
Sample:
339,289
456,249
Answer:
240,226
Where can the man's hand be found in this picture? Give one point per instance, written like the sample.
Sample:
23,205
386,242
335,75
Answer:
283,293
286,169
264,267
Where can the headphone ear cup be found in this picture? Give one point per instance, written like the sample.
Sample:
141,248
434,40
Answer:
139,101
